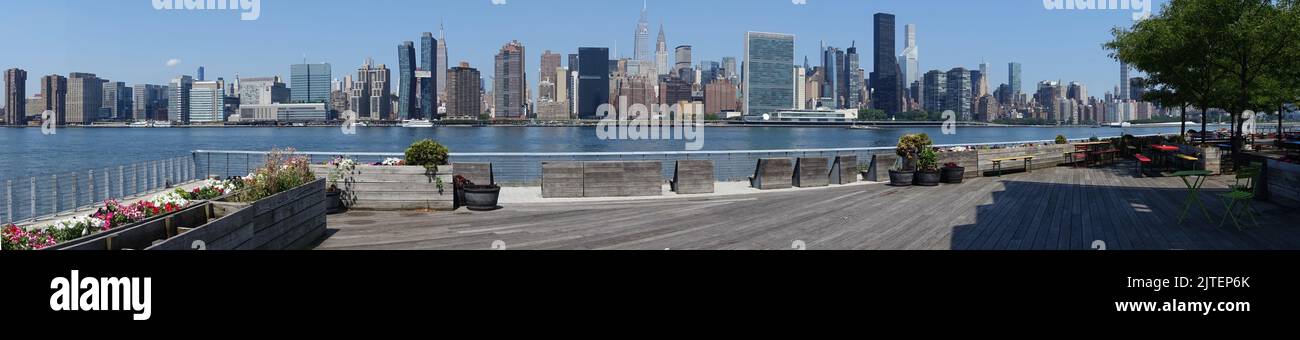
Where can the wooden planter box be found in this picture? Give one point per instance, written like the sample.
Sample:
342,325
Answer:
148,234
389,188
1283,183
290,220
88,238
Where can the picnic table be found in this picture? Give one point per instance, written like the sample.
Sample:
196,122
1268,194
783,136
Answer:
1194,179
1165,155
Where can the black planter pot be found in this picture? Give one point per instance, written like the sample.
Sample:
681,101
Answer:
927,178
901,179
954,175
334,202
481,197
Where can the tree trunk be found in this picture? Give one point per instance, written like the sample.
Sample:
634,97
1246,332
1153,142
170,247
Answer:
1183,129
1205,120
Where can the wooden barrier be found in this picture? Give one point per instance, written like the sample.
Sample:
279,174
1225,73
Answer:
966,159
1045,156
146,234
477,173
602,179
844,170
561,179
290,220
693,177
388,188
773,173
811,172
880,165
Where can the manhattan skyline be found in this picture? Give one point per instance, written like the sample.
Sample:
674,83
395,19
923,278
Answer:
132,42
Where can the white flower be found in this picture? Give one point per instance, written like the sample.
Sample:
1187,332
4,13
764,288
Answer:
392,161
169,197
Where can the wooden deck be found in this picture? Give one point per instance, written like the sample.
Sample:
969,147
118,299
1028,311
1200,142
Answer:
1052,209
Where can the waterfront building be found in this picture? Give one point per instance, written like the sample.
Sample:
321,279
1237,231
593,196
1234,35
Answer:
720,96
85,97
958,97
986,108
729,69
310,82
406,107
207,102
1124,82
936,88
549,64
371,97
427,80
464,89
563,91
768,82
800,93
263,91
178,99
283,112
15,97
511,82
54,88
674,90
851,88
1076,91
884,80
1137,88
201,74
909,61
35,106
149,102
1049,98
593,81
117,101
635,89
831,67
643,60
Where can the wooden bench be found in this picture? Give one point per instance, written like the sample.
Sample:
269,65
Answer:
1029,163
1143,162
1189,159
811,172
845,170
773,173
693,177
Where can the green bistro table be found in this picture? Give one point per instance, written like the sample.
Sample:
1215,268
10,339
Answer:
1194,179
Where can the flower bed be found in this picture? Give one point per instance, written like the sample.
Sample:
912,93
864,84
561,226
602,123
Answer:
285,205
113,215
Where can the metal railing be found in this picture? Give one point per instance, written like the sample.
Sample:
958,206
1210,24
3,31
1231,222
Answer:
521,169
51,196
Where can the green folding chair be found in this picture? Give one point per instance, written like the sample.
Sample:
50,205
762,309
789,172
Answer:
1240,196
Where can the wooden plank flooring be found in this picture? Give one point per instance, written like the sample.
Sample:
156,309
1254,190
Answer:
1051,209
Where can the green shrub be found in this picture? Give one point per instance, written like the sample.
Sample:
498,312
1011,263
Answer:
910,148
1060,139
426,153
282,171
929,160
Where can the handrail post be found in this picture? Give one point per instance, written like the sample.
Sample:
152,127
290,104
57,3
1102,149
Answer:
75,199
121,180
90,179
33,199
56,192
9,200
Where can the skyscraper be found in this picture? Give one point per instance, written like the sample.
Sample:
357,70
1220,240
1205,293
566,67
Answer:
982,87
884,79
371,92
959,95
406,106
547,73
769,83
54,89
593,81
1013,78
661,54
428,82
117,101
310,83
641,49
207,103
201,71
909,62
15,97
463,92
850,85
85,97
263,91
442,65
831,71
150,102
729,69
511,82
683,66
935,87
1123,82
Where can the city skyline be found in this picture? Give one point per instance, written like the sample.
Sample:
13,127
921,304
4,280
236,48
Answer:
1069,49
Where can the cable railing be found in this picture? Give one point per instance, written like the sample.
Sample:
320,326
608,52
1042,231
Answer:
50,196
524,169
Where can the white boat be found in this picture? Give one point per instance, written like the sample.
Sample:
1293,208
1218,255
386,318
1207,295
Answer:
417,124
139,124
161,124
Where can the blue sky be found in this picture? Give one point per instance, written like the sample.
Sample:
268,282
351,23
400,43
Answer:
128,40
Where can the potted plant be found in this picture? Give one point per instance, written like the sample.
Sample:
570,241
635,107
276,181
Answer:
340,169
909,148
430,155
477,197
927,171
953,173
